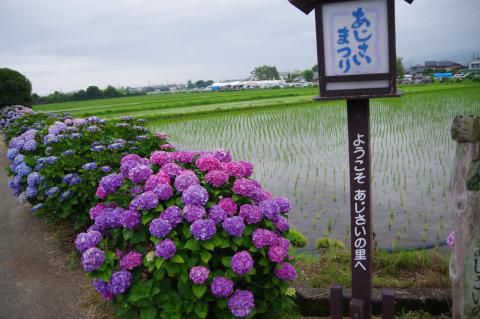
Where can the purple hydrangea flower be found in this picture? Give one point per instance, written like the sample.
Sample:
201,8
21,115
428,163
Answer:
217,214
270,209
103,288
52,191
130,219
139,173
87,240
241,303
193,212
120,282
30,146
234,226
111,183
198,274
163,191
184,181
245,187
242,262
195,195
252,214
172,169
451,239
157,179
285,271
208,163
31,191
108,218
173,215
248,168
263,238
145,201
283,203
131,260
216,178
277,254
228,205
12,153
222,155
92,259
165,249
281,223
160,227
19,159
221,287
184,157
203,229
37,207
23,169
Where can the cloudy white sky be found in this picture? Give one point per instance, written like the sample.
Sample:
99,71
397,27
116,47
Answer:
69,44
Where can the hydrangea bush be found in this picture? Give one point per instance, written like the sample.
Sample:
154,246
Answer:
57,160
189,235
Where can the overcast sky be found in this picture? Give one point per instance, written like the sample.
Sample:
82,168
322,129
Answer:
69,44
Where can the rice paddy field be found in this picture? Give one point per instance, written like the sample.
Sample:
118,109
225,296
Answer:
299,149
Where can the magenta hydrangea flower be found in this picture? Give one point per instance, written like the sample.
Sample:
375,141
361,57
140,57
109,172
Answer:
283,203
241,303
203,229
277,254
217,214
221,287
222,155
160,227
263,238
139,173
130,157
185,180
161,158
136,190
131,260
281,223
451,239
111,183
245,187
228,205
198,274
252,214
194,212
120,282
92,259
208,163
130,219
248,168
283,242
173,215
163,191
285,271
270,209
242,262
216,178
87,240
153,181
235,169
234,226
184,157
165,249
101,193
96,210
195,195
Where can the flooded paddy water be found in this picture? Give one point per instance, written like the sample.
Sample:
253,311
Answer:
300,152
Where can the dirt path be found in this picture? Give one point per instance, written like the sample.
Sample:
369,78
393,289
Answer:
35,281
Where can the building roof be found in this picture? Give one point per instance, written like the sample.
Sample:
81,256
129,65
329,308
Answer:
306,6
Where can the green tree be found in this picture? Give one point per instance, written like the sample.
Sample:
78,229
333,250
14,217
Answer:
110,91
15,88
400,67
93,92
308,75
190,85
265,72
315,68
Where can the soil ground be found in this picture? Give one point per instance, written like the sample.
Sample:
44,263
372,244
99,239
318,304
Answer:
36,281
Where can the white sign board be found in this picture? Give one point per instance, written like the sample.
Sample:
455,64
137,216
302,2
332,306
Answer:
356,39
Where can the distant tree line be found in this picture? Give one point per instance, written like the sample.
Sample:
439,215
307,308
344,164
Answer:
91,93
200,84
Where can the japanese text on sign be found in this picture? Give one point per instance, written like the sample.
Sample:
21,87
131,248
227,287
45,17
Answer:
360,190
476,283
355,37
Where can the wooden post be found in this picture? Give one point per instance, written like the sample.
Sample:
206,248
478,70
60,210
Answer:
388,304
465,261
336,302
358,115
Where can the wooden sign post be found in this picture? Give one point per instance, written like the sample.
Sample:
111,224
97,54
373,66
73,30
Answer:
356,62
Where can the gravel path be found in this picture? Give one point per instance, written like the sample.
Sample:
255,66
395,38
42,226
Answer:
35,280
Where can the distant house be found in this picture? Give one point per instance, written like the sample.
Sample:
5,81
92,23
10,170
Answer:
443,66
474,65
416,69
